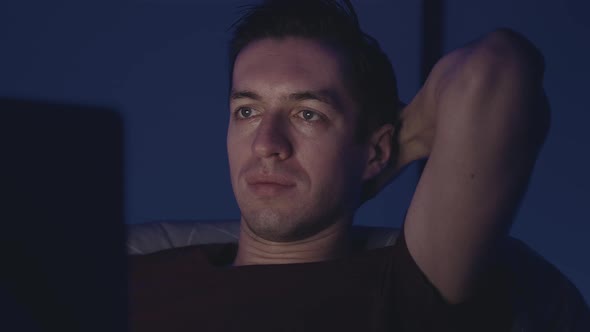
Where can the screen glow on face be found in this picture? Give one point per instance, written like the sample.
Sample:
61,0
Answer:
294,161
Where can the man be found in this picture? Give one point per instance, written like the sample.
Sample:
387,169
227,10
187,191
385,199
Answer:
315,130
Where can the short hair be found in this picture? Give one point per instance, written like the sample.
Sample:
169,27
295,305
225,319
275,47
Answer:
372,78
370,75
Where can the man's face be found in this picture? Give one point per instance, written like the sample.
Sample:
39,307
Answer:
294,162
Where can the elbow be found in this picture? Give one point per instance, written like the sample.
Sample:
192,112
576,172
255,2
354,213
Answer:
511,62
508,53
505,70
494,83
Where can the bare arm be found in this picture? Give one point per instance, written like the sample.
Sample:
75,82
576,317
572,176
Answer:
481,119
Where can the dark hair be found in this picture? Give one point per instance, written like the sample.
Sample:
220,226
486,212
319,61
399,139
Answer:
371,76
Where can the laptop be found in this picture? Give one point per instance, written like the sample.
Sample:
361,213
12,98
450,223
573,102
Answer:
61,218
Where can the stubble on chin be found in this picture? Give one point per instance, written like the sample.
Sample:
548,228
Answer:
273,225
270,225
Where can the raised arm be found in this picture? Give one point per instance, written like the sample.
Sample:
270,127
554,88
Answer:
481,119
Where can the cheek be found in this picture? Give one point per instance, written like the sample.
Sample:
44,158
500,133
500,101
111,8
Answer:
236,153
333,164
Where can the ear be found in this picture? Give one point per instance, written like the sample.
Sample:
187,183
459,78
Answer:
380,150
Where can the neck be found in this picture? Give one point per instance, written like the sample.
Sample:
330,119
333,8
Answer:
330,243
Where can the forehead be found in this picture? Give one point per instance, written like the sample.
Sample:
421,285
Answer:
277,66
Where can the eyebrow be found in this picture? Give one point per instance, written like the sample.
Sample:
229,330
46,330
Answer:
244,95
325,96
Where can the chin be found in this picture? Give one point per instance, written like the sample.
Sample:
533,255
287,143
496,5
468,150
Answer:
272,225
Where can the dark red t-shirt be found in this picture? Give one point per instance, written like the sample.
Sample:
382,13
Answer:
191,289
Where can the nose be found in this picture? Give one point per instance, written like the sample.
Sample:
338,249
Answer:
272,139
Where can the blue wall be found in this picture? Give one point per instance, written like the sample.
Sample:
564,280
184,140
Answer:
162,65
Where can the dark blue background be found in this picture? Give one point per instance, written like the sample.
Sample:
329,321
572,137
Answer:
162,64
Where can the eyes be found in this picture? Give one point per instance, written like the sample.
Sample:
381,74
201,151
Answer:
306,115
244,112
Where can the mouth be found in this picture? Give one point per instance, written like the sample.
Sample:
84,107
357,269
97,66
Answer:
267,185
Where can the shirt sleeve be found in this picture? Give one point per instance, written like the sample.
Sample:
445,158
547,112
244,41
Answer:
419,306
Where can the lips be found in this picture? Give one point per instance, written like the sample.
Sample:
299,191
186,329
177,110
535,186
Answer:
269,185
269,179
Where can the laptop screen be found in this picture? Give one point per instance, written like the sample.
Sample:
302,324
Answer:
62,214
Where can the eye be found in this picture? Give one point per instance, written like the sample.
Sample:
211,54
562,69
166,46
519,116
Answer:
244,112
308,115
